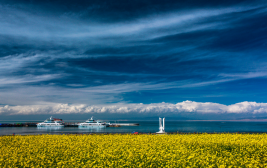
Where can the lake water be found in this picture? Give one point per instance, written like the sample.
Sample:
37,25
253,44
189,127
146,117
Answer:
147,127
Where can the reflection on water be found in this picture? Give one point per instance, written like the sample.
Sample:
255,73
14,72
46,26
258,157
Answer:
93,129
50,128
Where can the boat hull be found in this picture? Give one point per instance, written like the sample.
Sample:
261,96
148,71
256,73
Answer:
92,126
50,125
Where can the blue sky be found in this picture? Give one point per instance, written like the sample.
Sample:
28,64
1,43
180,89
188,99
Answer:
133,59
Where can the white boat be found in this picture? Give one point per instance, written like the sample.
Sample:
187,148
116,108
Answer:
91,123
51,122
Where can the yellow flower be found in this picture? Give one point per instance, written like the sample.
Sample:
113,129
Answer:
190,150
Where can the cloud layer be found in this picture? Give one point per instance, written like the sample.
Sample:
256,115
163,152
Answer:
153,108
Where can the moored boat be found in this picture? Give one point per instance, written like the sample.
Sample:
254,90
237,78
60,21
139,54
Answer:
51,122
91,123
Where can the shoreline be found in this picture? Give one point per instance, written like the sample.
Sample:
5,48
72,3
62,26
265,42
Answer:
136,133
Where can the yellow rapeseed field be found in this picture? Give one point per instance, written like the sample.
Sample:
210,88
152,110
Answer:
181,150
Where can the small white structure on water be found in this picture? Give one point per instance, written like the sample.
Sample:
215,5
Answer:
161,126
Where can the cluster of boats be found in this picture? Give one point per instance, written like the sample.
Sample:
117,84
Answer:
90,123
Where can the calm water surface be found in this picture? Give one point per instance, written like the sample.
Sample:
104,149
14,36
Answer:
146,127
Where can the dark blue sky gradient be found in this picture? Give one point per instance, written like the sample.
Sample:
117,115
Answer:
107,52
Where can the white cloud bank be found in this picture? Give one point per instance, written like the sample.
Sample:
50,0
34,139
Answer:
154,108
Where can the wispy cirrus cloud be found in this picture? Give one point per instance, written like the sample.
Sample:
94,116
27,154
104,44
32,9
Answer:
245,75
68,55
5,81
16,22
101,93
